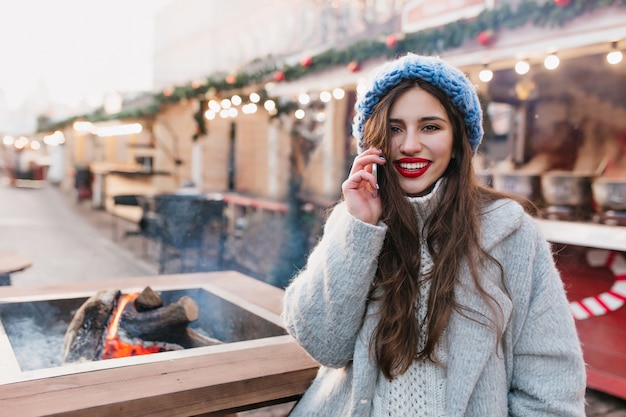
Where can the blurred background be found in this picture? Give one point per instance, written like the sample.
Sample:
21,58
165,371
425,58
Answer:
215,135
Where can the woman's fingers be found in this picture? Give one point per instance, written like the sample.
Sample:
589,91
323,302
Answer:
365,163
365,160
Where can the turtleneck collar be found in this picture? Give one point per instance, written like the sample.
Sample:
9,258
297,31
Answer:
424,205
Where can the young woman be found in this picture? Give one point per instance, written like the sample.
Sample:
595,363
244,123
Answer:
428,294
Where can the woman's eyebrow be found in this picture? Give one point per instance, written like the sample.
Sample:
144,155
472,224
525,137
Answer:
421,119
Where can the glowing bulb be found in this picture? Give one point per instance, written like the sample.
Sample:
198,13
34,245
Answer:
325,96
249,108
522,67
304,99
485,75
614,57
551,62
255,98
339,93
215,106
299,114
269,105
236,100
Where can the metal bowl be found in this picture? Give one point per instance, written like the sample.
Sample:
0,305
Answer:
524,184
609,193
566,188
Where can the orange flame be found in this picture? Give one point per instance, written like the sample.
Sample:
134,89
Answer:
114,347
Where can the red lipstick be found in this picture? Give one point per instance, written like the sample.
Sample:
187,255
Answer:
412,167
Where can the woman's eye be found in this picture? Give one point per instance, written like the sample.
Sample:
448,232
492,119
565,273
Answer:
395,129
430,128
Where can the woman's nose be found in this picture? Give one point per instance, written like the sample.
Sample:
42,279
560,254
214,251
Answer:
411,143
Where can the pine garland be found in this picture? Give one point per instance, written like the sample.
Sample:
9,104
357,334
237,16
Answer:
431,41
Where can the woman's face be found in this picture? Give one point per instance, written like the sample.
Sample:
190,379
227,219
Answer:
421,137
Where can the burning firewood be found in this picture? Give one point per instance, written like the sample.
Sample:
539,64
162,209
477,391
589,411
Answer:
83,338
148,300
110,324
168,323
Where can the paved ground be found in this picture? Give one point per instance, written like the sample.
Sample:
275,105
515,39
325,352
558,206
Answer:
72,242
42,224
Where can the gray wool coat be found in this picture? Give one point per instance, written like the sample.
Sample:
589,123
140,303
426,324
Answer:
536,370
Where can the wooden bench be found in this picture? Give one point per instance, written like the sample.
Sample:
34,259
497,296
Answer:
10,263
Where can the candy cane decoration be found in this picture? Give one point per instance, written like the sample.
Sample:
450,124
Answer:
607,301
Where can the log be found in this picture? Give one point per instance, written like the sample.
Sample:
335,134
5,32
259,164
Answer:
148,300
156,324
86,331
193,338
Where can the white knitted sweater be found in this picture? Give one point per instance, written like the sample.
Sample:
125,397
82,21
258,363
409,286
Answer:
420,391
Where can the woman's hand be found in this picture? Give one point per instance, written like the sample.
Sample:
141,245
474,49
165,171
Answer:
360,189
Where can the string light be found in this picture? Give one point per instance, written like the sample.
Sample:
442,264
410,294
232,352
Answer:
214,106
326,96
269,105
485,75
551,62
304,99
255,98
522,67
615,56
8,140
339,93
249,108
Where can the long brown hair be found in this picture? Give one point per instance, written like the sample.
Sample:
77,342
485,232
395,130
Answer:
453,236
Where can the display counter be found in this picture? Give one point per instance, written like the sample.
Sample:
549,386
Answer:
124,179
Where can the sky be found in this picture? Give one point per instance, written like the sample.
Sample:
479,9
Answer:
72,51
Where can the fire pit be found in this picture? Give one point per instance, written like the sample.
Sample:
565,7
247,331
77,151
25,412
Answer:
255,363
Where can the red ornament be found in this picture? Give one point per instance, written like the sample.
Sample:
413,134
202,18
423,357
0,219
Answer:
354,66
486,37
306,61
391,41
168,92
231,79
279,76
562,3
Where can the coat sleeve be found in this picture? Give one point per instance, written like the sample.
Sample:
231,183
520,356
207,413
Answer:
325,303
548,376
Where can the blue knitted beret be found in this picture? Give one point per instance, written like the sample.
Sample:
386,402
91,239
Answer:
431,70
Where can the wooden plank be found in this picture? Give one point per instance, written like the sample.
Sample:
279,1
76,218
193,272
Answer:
159,281
13,262
183,387
271,297
584,234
